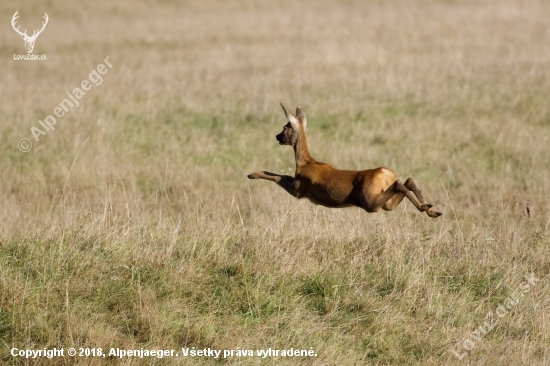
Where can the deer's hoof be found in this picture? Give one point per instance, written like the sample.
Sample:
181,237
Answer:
426,207
434,214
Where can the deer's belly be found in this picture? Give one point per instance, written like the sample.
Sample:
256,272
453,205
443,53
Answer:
330,198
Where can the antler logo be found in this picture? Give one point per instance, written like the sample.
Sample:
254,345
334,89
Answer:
29,40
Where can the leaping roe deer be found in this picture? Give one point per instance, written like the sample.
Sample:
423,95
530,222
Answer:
371,189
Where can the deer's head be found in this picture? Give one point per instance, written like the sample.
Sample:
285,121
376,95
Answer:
29,40
295,126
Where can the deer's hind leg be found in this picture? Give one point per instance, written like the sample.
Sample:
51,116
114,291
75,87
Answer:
411,185
388,199
393,196
384,191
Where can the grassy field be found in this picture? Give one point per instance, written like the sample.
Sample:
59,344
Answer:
133,225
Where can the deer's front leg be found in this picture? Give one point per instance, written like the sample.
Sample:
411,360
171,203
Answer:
285,181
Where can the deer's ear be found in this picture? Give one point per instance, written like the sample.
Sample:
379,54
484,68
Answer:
23,36
287,112
290,116
300,114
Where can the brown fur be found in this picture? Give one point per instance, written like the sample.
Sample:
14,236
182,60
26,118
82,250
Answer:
371,189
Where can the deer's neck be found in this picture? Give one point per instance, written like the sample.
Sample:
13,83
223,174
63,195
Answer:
301,152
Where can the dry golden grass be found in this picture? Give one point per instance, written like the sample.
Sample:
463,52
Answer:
133,225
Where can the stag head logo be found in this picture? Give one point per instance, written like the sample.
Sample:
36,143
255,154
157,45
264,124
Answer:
29,40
